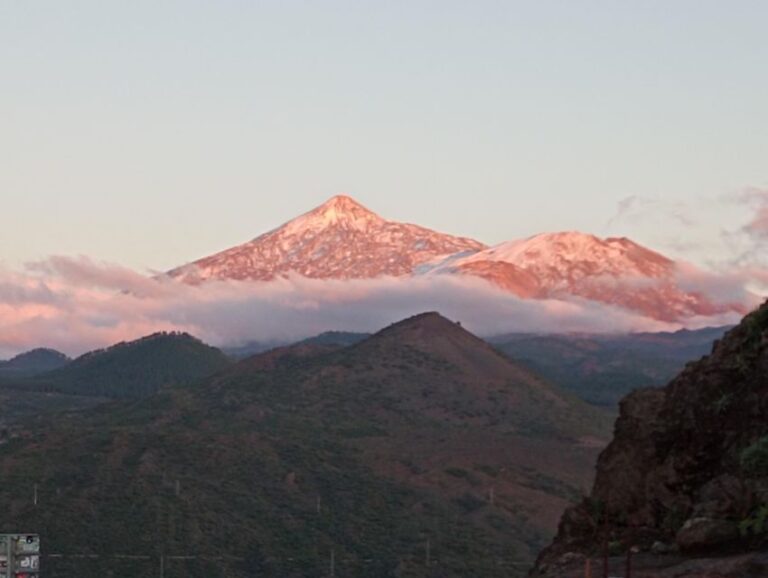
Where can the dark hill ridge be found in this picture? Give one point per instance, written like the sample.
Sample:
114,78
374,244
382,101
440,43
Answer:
336,338
598,368
687,470
420,433
472,360
136,368
602,369
433,367
33,362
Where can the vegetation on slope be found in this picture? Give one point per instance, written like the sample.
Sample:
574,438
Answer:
137,368
419,452
601,369
33,362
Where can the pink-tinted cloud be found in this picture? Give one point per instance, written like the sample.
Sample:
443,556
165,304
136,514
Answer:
728,286
748,243
75,304
757,200
635,209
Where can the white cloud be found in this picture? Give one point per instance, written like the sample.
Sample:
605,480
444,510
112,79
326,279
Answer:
75,304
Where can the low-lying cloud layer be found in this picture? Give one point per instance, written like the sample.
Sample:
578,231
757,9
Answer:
75,304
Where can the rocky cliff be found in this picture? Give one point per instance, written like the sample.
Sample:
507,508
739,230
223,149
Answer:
686,475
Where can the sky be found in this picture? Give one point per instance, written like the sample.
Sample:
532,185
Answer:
152,132
138,136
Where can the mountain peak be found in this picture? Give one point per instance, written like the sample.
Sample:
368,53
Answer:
569,255
428,330
613,270
429,320
340,239
574,240
343,202
341,211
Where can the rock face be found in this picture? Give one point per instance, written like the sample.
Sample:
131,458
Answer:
687,469
704,533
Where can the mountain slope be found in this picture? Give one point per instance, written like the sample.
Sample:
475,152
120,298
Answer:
32,362
340,239
340,338
616,271
137,368
451,374
421,434
687,469
601,369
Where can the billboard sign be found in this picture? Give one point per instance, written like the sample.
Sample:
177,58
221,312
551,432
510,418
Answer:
19,556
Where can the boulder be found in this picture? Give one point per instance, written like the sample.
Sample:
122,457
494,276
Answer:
723,497
706,534
662,548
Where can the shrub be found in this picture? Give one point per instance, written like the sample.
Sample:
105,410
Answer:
596,509
756,524
754,458
469,503
457,472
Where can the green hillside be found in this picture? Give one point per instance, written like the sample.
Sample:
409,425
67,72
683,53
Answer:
418,452
601,369
136,368
33,362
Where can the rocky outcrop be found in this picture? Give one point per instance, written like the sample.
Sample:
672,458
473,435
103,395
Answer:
687,470
748,565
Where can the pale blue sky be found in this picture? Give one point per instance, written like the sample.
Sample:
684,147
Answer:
153,132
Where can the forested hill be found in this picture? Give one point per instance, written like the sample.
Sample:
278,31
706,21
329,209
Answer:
136,368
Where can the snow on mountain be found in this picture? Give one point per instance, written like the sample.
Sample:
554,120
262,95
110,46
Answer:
340,239
562,259
617,271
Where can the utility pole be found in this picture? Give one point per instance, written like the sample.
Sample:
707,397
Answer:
333,563
35,491
427,560
162,566
318,504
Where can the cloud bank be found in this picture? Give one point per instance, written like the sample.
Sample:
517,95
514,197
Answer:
76,304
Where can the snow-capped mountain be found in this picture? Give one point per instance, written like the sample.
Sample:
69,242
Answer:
612,270
561,260
340,239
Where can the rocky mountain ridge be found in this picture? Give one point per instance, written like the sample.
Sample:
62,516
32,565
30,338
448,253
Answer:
686,474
